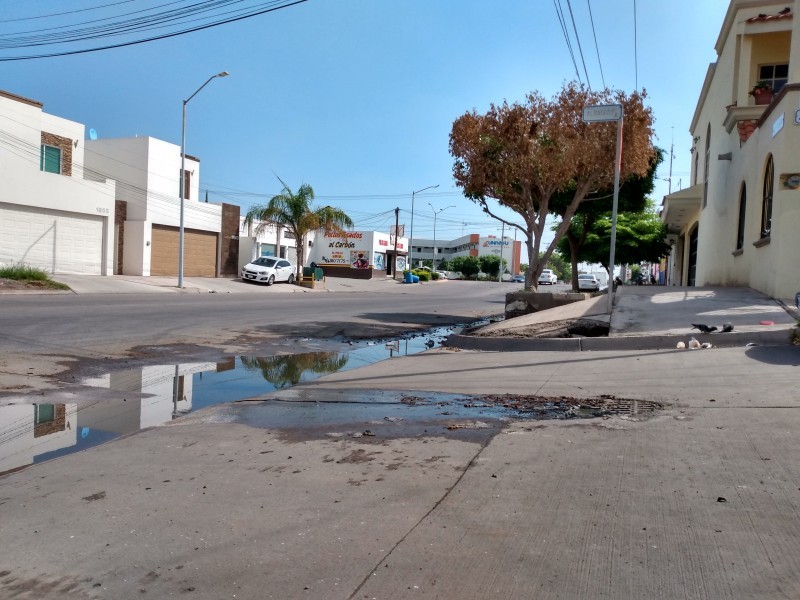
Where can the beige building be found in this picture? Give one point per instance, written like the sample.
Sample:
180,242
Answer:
739,221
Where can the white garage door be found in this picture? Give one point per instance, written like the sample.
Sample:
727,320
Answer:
59,242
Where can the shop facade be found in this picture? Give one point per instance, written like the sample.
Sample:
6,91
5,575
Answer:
359,254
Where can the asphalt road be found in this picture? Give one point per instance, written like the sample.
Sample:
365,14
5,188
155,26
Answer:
99,326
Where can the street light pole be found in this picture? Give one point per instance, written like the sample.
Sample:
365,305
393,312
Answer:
183,173
436,212
411,238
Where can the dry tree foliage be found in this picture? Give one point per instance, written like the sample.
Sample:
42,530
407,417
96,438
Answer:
521,154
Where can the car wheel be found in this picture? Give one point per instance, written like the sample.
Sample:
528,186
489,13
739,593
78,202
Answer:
291,279
271,280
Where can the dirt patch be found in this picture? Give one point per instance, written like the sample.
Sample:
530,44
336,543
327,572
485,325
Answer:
12,285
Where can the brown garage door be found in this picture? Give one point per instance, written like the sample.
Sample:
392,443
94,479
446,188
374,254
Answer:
199,252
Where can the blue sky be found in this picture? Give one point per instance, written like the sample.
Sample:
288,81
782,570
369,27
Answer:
357,97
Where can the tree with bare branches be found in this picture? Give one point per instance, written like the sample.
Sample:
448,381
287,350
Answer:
520,155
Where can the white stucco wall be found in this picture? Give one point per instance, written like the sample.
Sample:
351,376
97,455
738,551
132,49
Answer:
25,185
24,447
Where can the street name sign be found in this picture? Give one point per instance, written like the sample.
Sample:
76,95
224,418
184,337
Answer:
602,112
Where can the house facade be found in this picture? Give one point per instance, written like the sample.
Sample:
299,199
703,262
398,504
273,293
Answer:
738,222
267,239
147,172
51,215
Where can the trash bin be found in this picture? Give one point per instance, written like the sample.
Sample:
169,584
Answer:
408,277
415,279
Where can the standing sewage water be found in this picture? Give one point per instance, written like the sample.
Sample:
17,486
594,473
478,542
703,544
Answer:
131,400
32,432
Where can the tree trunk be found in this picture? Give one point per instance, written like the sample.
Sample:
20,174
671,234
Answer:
573,260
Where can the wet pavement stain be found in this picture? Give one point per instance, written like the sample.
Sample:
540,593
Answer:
131,400
371,416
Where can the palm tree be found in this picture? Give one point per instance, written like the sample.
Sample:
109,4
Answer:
295,213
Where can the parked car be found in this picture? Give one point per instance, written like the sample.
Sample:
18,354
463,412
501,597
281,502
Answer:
269,269
548,277
588,282
442,275
518,279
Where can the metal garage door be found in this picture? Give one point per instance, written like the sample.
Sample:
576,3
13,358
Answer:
57,241
199,252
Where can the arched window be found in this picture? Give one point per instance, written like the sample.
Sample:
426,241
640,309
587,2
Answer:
706,165
766,202
742,211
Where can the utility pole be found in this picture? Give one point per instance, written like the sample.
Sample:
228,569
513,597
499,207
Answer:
671,154
502,243
396,234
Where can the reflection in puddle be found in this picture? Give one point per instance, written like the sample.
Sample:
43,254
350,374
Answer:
154,395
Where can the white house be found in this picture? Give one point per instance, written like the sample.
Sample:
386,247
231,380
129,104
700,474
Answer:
147,171
270,240
51,216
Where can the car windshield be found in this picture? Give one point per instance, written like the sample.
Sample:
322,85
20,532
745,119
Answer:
585,276
265,261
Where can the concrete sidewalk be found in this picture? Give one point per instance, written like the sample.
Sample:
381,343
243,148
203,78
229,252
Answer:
129,284
652,317
699,501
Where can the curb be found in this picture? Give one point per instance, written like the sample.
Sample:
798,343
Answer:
651,342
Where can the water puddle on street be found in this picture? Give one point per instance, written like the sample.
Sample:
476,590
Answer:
131,400
154,395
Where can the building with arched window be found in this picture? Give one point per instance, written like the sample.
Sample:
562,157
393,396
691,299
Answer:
739,224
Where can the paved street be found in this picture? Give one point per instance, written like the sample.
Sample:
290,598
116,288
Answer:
699,498
39,330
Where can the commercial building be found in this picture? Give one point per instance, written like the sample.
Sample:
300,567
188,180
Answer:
738,223
359,254
468,245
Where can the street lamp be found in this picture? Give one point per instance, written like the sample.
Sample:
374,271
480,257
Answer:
436,212
411,244
183,172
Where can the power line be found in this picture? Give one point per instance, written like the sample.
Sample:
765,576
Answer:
578,40
69,12
254,13
565,32
635,49
596,47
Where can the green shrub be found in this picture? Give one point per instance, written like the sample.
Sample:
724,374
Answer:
23,272
422,274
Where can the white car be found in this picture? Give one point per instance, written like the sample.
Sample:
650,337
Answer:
548,277
268,269
588,282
